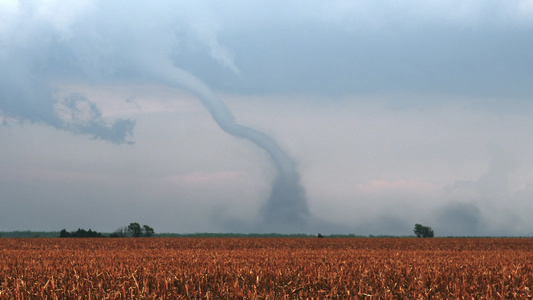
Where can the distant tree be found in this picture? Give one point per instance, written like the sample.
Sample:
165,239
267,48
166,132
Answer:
80,233
120,232
147,231
135,229
91,233
423,231
64,233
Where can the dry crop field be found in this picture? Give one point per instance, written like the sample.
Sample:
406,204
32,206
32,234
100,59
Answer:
273,268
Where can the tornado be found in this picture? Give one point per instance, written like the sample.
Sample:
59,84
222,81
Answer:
286,208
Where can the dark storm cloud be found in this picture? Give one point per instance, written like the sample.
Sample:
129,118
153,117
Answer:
37,53
459,219
487,203
104,40
425,59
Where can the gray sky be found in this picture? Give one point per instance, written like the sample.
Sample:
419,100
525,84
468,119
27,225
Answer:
394,113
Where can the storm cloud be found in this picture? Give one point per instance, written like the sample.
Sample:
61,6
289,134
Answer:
387,114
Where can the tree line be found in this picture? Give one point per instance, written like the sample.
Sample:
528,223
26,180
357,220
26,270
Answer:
80,233
136,230
132,230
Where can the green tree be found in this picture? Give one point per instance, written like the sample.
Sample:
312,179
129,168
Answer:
135,229
80,233
64,233
423,231
148,231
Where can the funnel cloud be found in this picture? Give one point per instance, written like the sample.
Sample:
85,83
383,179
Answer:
286,207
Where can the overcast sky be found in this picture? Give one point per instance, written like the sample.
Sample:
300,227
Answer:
394,113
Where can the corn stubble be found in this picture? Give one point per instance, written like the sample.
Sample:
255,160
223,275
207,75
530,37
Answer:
269,268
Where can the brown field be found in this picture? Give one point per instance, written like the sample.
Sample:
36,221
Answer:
274,268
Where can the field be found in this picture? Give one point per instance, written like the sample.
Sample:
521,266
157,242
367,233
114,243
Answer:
273,268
